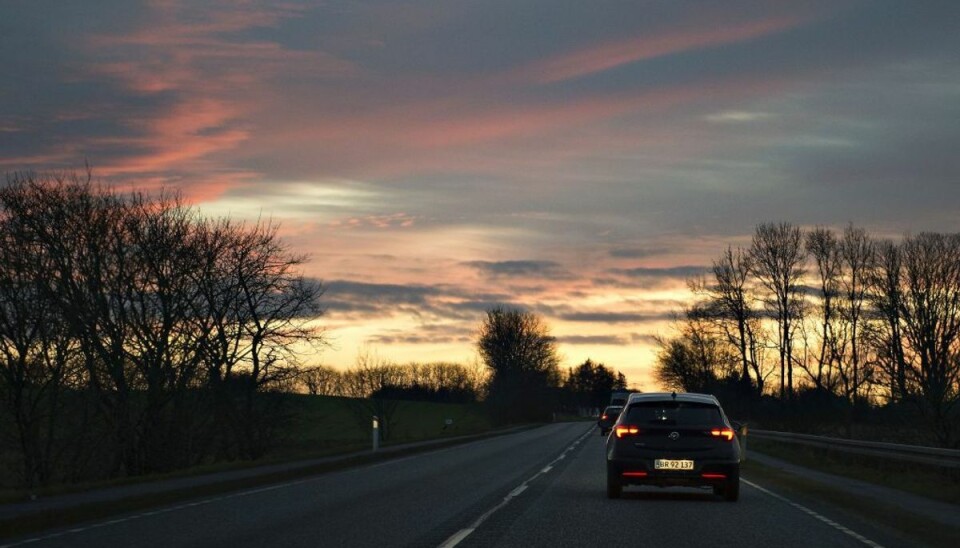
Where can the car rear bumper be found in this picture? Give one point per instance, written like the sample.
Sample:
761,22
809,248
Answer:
643,472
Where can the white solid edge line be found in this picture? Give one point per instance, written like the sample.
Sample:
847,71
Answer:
810,512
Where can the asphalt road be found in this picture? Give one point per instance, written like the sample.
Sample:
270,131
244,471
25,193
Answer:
541,487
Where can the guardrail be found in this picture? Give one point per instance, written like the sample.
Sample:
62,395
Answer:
936,456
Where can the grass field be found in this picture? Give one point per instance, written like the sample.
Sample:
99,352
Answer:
323,423
318,426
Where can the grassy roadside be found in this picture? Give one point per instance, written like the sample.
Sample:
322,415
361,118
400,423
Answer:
330,420
320,426
910,525
32,523
936,483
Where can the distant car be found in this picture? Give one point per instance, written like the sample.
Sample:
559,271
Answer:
608,417
619,397
670,439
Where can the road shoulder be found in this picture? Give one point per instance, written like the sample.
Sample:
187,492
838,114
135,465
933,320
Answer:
932,522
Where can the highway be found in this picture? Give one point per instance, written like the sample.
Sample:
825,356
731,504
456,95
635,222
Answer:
539,487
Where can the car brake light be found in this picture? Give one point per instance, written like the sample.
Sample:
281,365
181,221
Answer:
724,433
626,430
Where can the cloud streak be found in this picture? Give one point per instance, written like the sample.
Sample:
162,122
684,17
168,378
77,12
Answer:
548,270
610,55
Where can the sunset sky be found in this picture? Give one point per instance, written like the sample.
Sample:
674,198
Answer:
579,159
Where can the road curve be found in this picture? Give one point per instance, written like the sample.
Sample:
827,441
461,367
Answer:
540,487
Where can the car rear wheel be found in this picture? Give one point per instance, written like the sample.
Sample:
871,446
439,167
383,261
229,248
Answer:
731,489
614,488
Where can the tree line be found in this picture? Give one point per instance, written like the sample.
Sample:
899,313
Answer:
376,387
137,336
371,376
823,315
518,378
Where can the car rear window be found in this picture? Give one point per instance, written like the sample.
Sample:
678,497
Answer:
673,413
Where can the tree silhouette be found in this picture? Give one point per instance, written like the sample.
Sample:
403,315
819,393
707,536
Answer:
521,355
778,262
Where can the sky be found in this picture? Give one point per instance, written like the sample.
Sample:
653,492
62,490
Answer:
436,158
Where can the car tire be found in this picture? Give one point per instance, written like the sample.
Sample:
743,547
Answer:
614,487
731,489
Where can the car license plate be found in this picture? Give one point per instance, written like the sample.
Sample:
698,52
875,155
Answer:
670,464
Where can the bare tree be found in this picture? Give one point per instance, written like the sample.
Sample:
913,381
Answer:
857,254
698,360
730,302
38,361
364,384
886,296
81,231
320,380
270,308
778,262
930,312
823,246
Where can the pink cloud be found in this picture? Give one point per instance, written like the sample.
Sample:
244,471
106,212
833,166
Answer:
479,133
201,188
621,52
210,85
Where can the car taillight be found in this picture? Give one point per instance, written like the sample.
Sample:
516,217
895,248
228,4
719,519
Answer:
626,430
603,417
725,433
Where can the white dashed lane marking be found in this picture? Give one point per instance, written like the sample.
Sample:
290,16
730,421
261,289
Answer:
458,537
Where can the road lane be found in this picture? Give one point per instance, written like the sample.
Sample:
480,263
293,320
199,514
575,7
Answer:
419,500
542,487
571,509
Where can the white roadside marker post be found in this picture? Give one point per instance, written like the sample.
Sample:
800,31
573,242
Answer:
376,433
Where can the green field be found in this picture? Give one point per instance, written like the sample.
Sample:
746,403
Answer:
314,426
324,424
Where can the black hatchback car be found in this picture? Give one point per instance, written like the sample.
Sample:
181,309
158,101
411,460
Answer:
608,417
670,439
